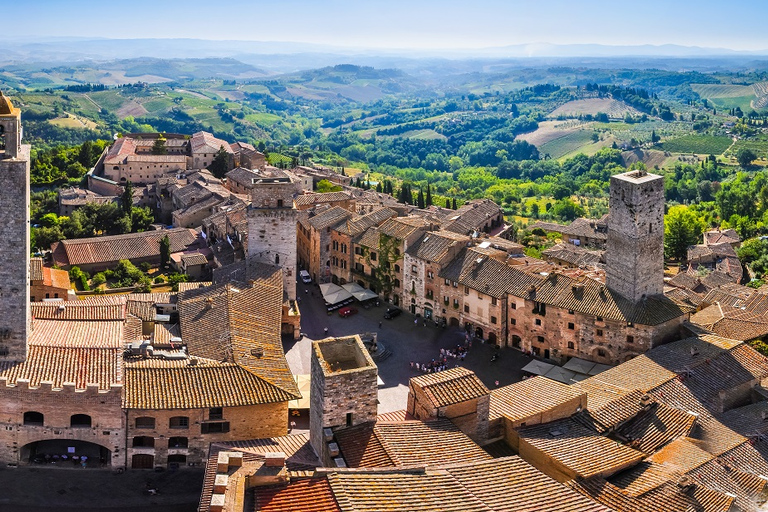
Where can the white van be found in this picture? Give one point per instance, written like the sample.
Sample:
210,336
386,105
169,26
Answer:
305,278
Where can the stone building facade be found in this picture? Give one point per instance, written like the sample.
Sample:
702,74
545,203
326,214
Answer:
14,232
422,264
182,436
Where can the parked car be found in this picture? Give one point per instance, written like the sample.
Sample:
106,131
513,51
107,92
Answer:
392,313
305,277
347,311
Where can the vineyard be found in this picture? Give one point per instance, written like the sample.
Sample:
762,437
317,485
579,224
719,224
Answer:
698,144
761,91
614,109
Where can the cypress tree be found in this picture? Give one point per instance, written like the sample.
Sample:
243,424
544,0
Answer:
429,195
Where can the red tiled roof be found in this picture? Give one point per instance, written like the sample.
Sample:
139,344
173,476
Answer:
110,249
451,386
302,494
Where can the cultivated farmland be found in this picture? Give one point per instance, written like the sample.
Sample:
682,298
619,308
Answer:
699,144
615,109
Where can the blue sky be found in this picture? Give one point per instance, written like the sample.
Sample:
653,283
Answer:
397,24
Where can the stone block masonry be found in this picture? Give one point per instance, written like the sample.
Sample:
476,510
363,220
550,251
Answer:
14,257
635,247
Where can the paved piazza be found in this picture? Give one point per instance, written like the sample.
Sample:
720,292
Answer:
407,342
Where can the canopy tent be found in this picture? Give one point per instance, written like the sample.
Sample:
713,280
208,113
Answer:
579,365
359,292
598,368
333,293
560,375
304,384
538,367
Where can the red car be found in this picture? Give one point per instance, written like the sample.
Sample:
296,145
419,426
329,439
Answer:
347,311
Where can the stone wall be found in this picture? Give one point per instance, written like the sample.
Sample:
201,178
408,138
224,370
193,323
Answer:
566,334
14,257
342,397
272,229
635,246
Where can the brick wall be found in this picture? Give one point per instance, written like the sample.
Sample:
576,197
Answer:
57,408
249,422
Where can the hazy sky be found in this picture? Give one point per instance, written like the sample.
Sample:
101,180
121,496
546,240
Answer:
424,24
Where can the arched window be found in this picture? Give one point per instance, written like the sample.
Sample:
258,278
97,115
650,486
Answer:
80,421
33,418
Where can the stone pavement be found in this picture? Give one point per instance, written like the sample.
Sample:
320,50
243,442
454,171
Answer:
407,342
38,489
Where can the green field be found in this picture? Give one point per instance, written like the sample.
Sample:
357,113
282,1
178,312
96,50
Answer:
710,91
262,118
570,143
699,144
758,145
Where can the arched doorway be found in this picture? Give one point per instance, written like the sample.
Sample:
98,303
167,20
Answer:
454,322
479,332
517,341
492,338
66,453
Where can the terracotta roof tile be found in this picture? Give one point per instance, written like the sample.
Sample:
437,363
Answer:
583,451
408,443
85,310
330,217
451,386
660,424
530,397
162,384
328,197
305,494
471,216
72,334
60,365
397,492
434,246
238,323
109,249
36,269
510,484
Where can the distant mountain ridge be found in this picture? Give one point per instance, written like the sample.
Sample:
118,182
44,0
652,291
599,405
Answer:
58,49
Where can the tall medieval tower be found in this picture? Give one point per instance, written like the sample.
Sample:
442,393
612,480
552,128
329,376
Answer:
635,250
14,233
344,391
272,219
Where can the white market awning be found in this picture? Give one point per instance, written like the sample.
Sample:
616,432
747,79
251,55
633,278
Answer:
359,292
333,293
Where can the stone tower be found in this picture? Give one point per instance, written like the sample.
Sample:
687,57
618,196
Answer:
635,249
14,233
344,390
272,219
